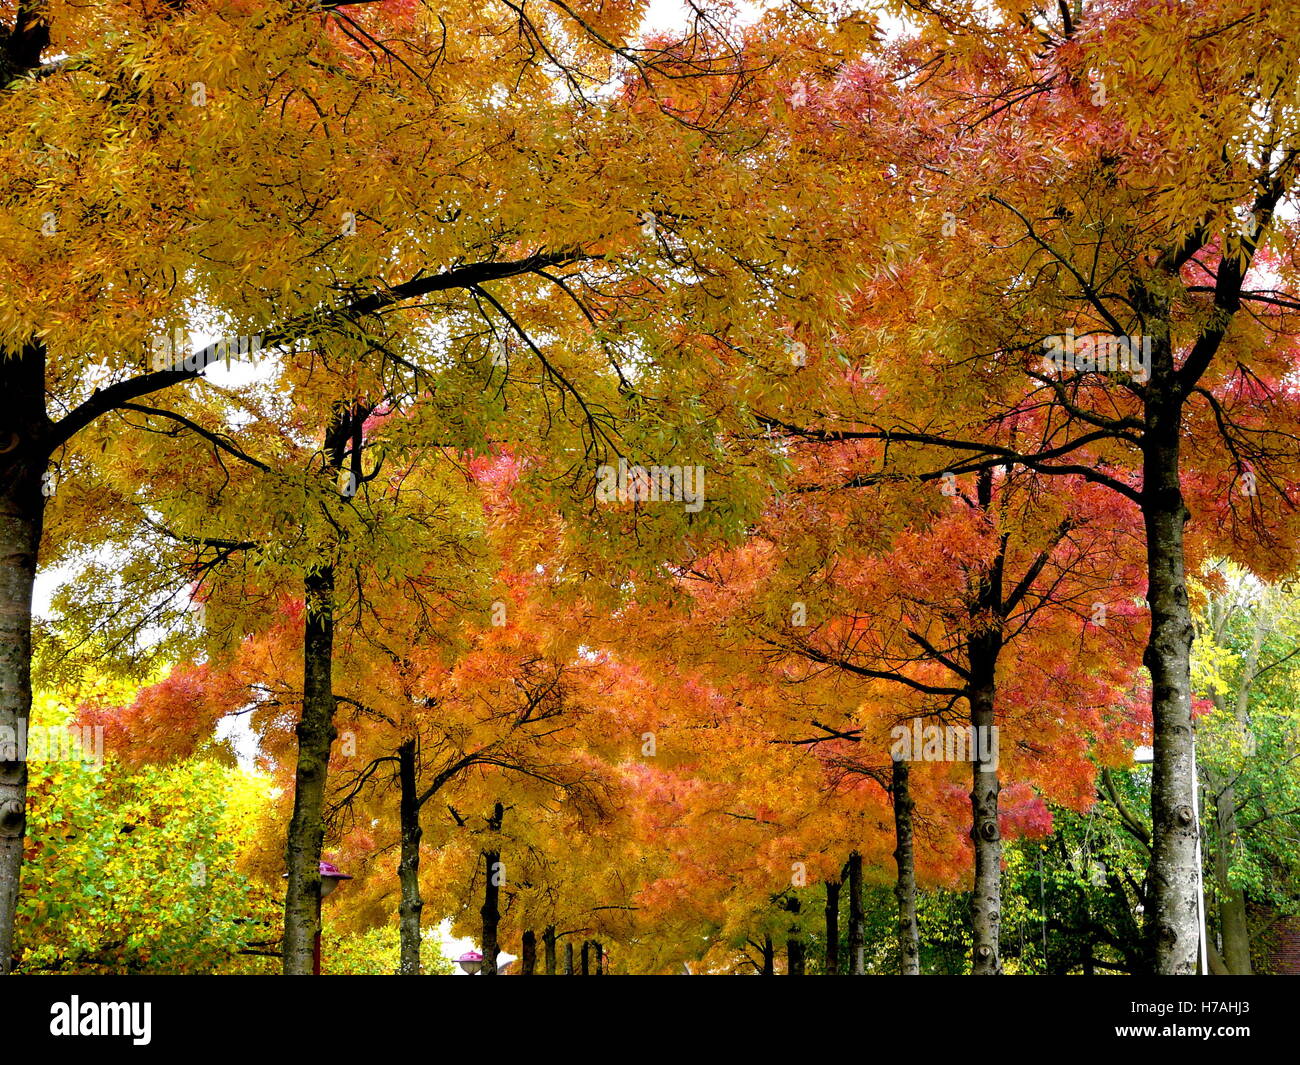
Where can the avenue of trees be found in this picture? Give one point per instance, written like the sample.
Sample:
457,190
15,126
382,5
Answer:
790,488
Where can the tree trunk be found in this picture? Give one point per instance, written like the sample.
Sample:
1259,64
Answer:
983,645
528,953
909,949
1232,900
315,731
586,957
1172,930
491,909
769,957
568,959
408,869
548,941
857,938
794,943
832,927
23,457
986,896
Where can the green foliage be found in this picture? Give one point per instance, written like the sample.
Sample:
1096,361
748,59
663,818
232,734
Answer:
376,952
135,872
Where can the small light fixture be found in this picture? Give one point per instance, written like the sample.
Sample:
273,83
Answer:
471,962
330,877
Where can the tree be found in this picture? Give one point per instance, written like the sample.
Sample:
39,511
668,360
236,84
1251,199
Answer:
176,182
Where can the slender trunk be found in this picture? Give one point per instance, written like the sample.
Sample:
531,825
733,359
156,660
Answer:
794,943
315,731
1172,930
986,896
1232,900
832,927
408,868
857,937
548,942
769,957
528,953
586,957
600,957
568,959
491,909
24,453
909,948
983,645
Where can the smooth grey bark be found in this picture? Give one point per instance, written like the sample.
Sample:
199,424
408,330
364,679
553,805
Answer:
24,453
411,905
909,949
832,927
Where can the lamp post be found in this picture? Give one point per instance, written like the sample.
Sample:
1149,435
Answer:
471,962
1145,756
330,878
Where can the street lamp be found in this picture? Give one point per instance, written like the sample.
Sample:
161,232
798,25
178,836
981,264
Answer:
1146,756
330,878
472,963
